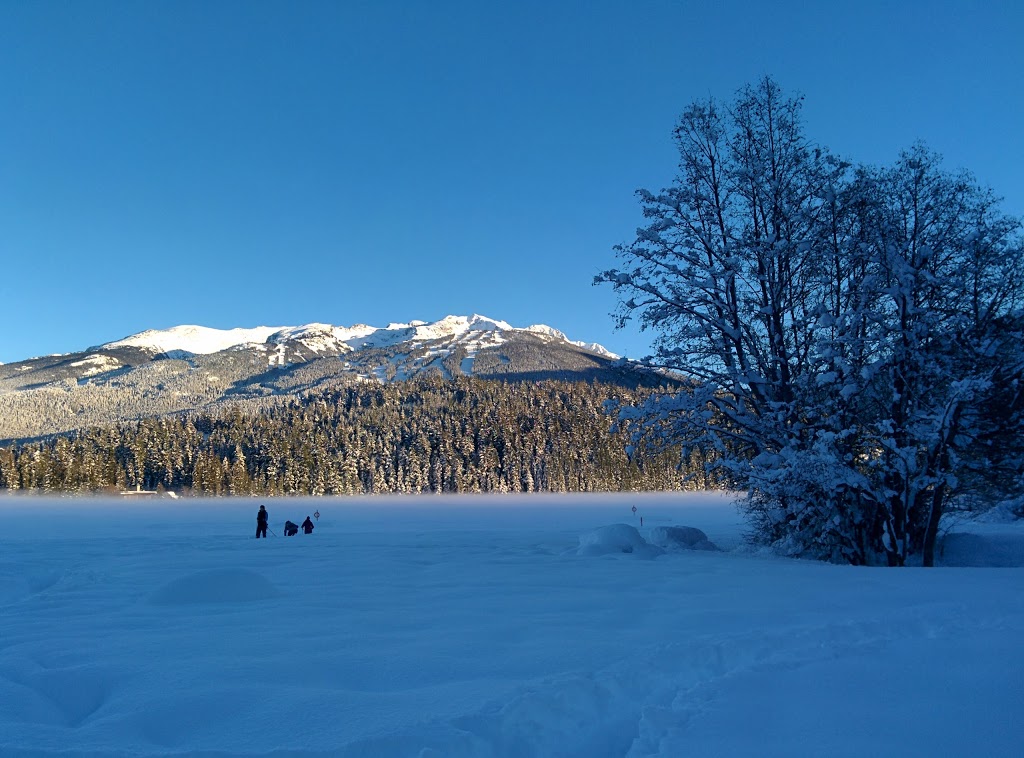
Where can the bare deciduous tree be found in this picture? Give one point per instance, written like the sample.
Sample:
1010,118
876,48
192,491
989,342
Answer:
845,328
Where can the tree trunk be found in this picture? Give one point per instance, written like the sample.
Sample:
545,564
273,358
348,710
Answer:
931,532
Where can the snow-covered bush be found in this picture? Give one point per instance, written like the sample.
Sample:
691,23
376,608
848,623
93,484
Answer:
616,538
680,538
1005,512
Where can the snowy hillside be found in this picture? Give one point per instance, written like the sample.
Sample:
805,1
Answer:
188,367
487,628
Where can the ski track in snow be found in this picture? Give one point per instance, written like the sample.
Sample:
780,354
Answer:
438,629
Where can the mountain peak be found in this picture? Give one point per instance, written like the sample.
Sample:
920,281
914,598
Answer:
189,338
319,337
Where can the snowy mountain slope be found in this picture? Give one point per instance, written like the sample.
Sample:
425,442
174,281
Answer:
283,346
188,367
547,331
198,340
327,339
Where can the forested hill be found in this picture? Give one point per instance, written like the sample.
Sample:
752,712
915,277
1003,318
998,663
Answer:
192,368
421,435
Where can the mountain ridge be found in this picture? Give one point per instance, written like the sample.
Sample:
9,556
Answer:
189,367
197,339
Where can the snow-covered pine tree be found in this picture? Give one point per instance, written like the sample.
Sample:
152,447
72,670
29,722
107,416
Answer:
846,329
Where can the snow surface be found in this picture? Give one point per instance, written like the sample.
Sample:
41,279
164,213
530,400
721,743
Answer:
502,626
97,364
471,332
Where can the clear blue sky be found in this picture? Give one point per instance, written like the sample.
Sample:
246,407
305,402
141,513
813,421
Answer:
263,163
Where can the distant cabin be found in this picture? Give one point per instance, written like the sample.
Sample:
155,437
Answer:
139,492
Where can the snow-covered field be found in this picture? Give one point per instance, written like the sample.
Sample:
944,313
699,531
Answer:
440,627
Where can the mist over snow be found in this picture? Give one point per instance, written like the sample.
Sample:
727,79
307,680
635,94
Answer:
502,626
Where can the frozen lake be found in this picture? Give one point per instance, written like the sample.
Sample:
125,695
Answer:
434,627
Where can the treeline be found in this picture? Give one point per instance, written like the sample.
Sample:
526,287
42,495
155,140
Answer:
423,435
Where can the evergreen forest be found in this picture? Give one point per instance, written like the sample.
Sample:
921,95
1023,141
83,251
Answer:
427,435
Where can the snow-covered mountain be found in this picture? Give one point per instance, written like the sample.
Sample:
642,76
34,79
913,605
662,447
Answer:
198,340
471,332
160,371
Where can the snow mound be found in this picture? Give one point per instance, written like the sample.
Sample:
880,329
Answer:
616,538
681,538
1007,512
225,585
983,549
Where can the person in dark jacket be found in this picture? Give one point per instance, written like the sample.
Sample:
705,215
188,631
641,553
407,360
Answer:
261,522
307,526
290,529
